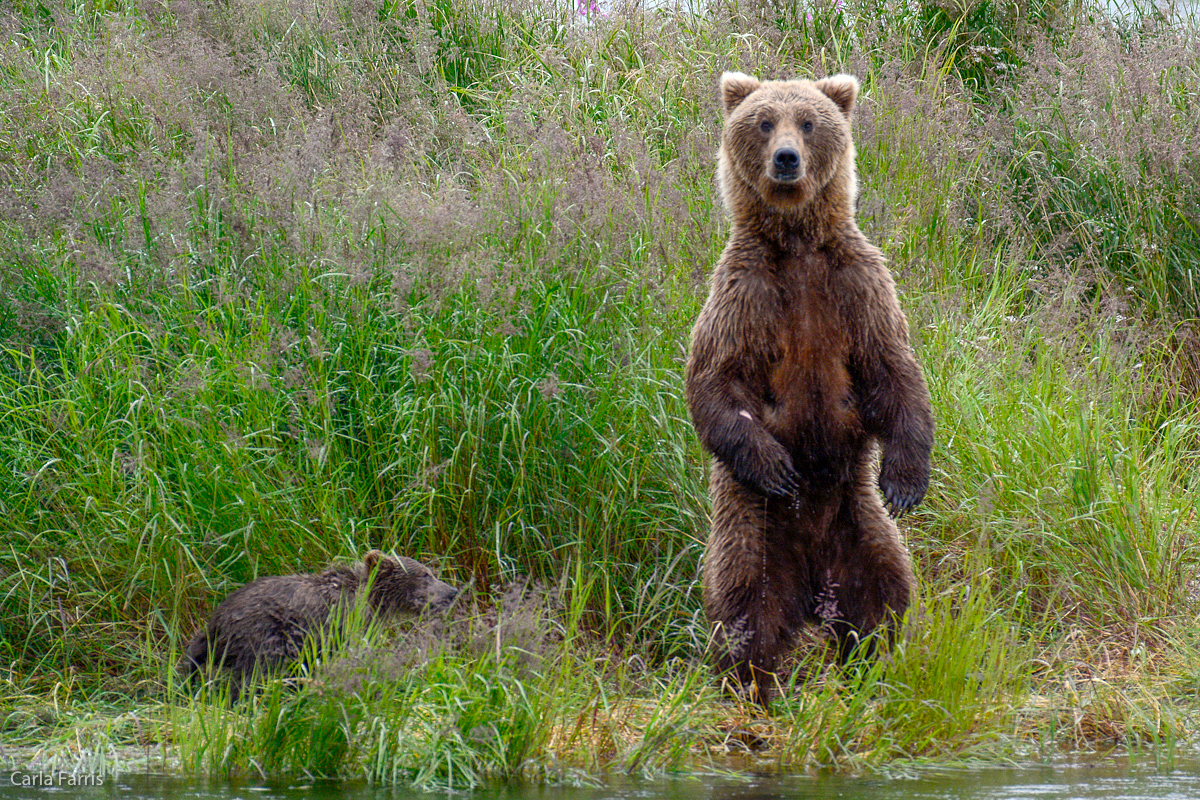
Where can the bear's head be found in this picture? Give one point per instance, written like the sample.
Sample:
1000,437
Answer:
402,585
787,147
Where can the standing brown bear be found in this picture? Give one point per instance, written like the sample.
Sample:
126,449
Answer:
263,626
800,371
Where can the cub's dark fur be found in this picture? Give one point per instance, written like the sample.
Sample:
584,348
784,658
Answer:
263,625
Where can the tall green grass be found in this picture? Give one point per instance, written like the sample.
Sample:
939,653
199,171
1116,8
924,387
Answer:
949,688
282,283
451,708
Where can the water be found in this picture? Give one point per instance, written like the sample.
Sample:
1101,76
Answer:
1107,780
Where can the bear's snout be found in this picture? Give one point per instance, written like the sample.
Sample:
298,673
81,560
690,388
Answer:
442,597
787,164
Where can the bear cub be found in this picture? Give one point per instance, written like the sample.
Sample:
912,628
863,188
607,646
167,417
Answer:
263,626
803,387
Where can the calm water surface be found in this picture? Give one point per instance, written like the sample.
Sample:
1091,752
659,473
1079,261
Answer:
1110,780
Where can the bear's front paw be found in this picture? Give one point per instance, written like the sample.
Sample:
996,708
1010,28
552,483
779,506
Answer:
770,473
903,486
784,481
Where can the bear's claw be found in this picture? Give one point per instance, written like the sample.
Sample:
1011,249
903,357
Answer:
903,483
780,480
900,501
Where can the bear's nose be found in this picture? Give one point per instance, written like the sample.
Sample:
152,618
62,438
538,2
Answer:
787,160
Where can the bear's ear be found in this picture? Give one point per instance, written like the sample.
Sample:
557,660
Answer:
736,87
841,89
373,559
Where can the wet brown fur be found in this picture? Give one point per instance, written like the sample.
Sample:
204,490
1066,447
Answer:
800,373
263,625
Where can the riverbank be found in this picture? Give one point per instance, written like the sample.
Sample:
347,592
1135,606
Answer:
518,698
280,283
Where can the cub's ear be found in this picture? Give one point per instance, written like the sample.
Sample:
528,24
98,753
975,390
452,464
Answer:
373,559
842,89
736,87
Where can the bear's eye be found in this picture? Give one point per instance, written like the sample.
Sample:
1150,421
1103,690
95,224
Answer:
765,126
807,126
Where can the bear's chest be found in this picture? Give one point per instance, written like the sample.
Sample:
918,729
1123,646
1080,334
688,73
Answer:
812,407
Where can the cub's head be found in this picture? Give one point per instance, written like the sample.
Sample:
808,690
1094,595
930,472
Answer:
402,585
787,144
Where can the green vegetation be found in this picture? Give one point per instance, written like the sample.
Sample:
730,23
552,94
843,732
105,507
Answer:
281,282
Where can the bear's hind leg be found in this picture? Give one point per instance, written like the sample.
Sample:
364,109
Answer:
751,592
869,585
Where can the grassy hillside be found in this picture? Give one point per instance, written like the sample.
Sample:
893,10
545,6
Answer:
284,281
